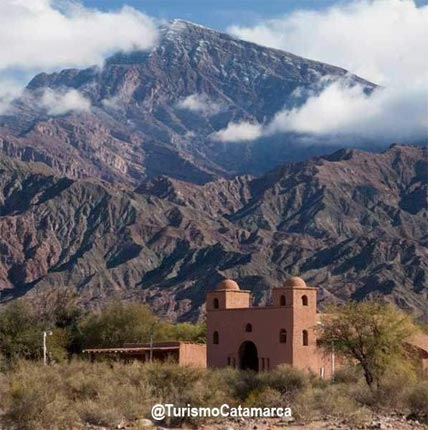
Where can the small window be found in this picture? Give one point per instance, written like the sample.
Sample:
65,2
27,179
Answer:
248,328
283,336
282,301
305,300
215,338
305,338
216,304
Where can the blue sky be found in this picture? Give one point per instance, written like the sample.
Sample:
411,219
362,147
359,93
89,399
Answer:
219,14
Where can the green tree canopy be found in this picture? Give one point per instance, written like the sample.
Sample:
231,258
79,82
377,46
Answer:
119,323
20,332
371,333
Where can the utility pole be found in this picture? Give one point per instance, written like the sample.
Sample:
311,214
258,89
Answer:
332,357
45,347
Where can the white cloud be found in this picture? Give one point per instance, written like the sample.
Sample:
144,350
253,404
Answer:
113,103
60,103
239,132
388,114
200,103
46,34
380,40
9,90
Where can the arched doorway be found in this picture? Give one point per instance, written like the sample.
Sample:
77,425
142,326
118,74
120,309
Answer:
248,357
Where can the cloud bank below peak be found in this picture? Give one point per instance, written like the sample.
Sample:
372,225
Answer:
59,103
200,103
346,115
383,41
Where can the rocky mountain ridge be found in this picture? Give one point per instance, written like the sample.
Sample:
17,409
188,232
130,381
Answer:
353,224
155,113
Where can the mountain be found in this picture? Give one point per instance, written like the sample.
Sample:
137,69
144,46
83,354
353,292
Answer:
154,113
352,223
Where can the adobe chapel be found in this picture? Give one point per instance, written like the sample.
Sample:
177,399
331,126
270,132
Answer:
284,332
261,338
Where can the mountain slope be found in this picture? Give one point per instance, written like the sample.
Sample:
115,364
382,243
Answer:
353,223
155,112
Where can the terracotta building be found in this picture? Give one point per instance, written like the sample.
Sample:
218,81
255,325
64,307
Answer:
261,338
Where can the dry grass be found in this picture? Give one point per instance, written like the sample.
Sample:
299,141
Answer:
65,396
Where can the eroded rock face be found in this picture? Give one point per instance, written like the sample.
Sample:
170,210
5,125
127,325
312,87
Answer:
138,128
353,223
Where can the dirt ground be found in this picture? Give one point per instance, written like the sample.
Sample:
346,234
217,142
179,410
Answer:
380,422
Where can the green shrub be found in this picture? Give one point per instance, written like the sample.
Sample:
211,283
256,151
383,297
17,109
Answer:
284,379
20,333
34,401
334,401
417,399
347,375
266,397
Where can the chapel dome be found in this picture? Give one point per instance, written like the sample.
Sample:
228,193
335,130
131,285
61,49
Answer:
228,284
295,281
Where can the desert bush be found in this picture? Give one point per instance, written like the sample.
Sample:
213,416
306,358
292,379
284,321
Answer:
391,392
69,394
347,375
55,397
284,379
241,383
265,397
172,383
104,394
417,399
34,401
332,401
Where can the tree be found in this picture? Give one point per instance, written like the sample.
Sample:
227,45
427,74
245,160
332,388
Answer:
371,333
20,332
187,332
119,323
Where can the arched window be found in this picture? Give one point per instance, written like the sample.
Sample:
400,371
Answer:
305,338
305,300
248,328
282,301
216,303
216,338
283,336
